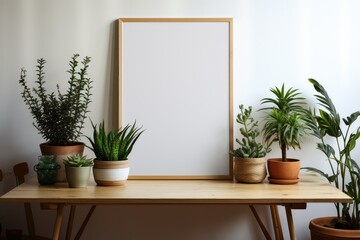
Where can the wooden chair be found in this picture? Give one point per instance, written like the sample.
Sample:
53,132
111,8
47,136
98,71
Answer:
22,169
1,175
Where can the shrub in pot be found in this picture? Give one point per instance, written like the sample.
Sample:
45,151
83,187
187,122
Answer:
59,117
78,169
112,149
285,124
249,158
337,139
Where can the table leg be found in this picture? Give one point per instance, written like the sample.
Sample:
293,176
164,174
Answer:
57,226
261,224
83,225
70,222
276,222
290,222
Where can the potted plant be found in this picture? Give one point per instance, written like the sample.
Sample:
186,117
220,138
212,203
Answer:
77,168
285,124
249,158
112,149
337,140
59,117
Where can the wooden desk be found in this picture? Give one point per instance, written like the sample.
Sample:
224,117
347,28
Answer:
311,188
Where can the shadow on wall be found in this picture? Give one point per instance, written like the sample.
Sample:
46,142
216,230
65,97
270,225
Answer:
176,222
112,74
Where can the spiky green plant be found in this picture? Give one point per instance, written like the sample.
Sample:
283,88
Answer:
114,145
250,147
77,160
59,118
337,140
285,119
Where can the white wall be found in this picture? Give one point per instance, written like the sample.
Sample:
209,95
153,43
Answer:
274,42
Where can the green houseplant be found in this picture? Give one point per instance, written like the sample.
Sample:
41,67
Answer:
112,149
77,160
77,168
59,117
285,124
337,140
249,157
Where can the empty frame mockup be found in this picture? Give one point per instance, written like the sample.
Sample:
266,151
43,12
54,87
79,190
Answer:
175,80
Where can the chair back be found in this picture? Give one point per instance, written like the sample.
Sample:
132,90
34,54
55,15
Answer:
20,170
1,175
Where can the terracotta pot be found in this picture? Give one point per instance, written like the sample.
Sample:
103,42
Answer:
283,172
249,170
319,231
61,153
111,173
77,177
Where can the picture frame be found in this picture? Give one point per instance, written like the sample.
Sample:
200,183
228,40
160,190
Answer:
176,80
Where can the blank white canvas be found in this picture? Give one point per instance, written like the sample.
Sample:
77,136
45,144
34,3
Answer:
176,84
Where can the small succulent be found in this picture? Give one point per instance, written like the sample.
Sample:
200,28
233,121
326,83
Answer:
249,146
78,161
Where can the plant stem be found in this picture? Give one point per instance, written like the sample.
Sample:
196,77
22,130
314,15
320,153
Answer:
283,152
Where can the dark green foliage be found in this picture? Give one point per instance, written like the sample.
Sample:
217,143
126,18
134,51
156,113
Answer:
116,144
327,127
77,160
249,146
59,118
285,119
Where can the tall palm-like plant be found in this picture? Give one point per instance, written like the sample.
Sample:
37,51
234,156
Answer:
336,141
285,119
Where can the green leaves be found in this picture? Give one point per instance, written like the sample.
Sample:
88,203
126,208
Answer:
249,147
59,118
285,100
326,126
78,161
285,119
115,144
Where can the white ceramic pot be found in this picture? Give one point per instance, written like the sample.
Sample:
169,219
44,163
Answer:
111,173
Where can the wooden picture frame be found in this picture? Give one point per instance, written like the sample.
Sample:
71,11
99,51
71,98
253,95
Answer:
176,80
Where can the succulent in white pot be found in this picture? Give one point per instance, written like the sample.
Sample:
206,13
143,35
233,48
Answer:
78,169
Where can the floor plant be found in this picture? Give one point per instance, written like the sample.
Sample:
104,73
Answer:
337,138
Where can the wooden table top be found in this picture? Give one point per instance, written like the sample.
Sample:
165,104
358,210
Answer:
311,188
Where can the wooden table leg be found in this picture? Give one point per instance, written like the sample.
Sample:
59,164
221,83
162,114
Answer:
70,222
290,222
86,220
276,222
261,224
58,221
